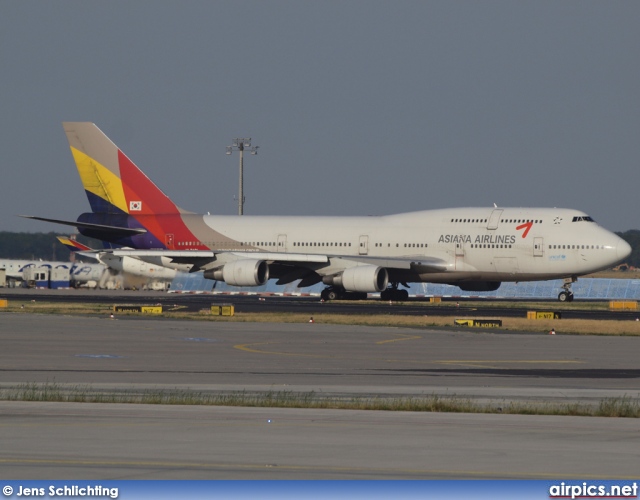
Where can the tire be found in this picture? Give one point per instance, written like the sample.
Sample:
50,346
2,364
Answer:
332,295
564,297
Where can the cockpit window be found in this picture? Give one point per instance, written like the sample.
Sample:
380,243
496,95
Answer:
585,218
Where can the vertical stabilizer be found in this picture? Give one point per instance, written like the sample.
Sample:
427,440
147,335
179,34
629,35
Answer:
113,183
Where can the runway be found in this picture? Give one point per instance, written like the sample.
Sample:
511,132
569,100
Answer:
55,440
312,305
99,442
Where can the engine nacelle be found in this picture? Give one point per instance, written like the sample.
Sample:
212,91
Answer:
479,286
243,272
360,279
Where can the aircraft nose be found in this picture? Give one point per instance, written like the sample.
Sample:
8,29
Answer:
623,249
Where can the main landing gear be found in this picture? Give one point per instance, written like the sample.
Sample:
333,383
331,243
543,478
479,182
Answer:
393,293
332,293
566,295
339,293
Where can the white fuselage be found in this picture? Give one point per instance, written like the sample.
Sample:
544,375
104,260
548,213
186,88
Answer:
510,244
78,271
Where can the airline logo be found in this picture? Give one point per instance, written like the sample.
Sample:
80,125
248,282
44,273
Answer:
479,239
526,226
135,206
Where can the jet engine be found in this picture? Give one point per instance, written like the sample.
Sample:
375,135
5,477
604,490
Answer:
360,279
243,272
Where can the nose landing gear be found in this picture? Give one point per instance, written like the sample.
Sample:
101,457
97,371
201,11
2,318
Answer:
566,295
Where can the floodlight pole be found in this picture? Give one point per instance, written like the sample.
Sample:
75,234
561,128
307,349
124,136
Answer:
240,143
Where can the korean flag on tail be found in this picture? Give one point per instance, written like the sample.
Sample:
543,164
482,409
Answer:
135,206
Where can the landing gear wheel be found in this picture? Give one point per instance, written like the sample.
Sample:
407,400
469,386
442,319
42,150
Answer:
393,293
332,293
565,296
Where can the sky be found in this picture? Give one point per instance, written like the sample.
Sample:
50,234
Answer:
358,107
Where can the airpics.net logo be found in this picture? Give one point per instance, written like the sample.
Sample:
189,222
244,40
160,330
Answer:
65,491
586,490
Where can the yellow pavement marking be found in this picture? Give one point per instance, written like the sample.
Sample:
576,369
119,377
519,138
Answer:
402,337
475,363
246,348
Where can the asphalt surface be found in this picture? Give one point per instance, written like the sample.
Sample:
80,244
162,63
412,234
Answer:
108,441
312,305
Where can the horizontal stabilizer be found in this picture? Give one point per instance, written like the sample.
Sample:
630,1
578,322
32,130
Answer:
112,230
172,254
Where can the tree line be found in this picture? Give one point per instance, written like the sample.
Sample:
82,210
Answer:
45,246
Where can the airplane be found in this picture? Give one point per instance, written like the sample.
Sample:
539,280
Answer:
473,248
129,265
80,273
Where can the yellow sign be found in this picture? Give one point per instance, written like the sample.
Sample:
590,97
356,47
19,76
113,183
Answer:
139,309
631,305
151,309
479,323
223,310
463,322
543,315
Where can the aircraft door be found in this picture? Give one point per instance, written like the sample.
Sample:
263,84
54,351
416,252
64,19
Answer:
494,219
363,249
168,238
282,243
459,255
538,247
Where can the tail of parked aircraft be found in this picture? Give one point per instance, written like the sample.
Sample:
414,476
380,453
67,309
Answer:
128,209
73,245
113,183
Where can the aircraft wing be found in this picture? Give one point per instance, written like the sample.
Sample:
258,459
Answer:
419,263
204,258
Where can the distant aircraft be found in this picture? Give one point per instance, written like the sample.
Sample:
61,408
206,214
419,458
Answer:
473,248
80,273
125,264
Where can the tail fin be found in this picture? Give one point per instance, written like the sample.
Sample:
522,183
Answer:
78,248
73,245
113,183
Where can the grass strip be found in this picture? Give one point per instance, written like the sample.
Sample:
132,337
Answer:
626,407
430,318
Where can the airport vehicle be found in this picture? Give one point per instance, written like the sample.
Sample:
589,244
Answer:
473,248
